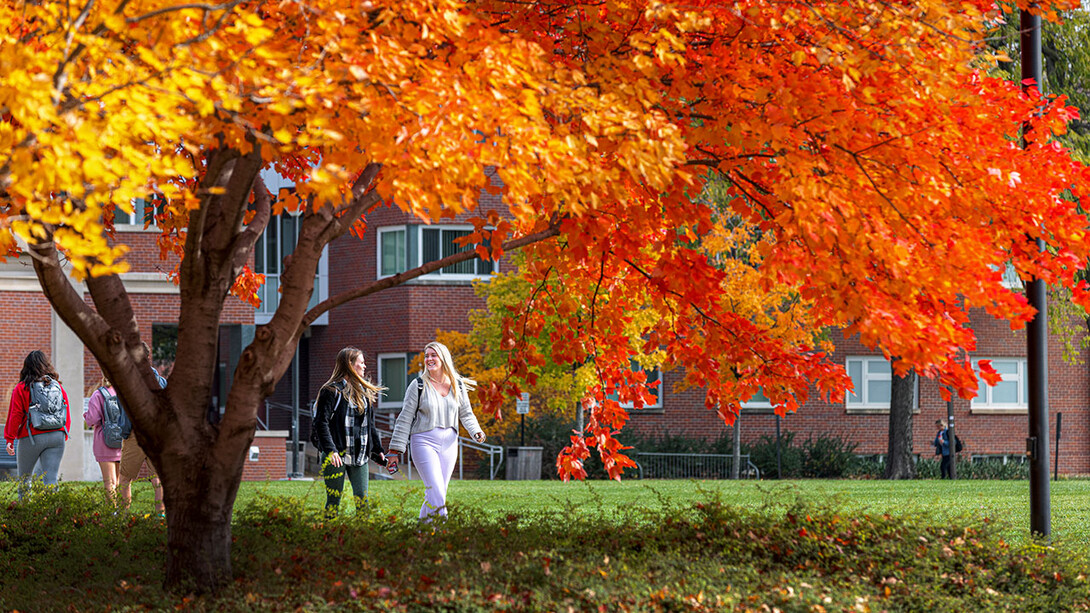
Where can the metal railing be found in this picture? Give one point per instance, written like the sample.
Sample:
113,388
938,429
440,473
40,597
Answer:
385,424
692,466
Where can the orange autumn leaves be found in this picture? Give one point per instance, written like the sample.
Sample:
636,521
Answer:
879,168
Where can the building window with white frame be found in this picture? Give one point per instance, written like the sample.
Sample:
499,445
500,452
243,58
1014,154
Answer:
758,403
393,251
872,383
438,242
402,248
393,374
1011,393
142,216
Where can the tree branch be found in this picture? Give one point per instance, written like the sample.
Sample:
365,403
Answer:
398,279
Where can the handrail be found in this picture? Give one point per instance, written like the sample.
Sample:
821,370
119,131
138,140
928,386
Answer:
751,469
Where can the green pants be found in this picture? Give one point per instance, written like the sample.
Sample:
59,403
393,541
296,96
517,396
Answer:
334,483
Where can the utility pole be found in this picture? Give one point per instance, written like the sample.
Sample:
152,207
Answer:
1040,512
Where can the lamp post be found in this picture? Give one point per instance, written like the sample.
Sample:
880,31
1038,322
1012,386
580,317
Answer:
1036,331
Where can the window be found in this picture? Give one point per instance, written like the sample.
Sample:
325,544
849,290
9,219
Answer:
1010,393
872,378
653,375
393,251
401,248
437,243
759,403
872,381
275,244
143,213
1010,279
393,374
999,458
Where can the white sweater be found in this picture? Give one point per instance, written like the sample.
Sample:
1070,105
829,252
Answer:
434,411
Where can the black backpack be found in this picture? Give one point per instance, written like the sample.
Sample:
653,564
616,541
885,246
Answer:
47,410
112,414
957,444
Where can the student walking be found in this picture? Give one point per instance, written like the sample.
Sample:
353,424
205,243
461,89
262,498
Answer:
435,403
41,446
103,412
942,447
344,428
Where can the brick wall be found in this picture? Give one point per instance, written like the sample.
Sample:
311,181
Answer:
272,457
28,326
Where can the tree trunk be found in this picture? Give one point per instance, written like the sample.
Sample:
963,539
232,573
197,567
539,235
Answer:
198,543
899,460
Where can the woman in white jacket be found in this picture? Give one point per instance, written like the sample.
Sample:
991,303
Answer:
429,421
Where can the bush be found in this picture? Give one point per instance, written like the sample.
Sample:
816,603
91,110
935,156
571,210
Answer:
828,457
763,455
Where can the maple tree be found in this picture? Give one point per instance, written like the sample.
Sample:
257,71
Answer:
863,143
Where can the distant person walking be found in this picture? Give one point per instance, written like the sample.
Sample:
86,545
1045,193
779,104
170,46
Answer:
344,428
942,447
133,458
108,457
435,403
41,448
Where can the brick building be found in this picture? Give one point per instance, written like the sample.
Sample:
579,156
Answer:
994,425
393,325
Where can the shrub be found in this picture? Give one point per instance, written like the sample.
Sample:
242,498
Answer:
827,457
763,455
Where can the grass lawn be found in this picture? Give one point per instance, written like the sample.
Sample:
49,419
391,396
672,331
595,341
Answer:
551,546
1006,502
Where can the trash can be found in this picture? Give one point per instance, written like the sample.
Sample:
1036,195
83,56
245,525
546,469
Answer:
523,463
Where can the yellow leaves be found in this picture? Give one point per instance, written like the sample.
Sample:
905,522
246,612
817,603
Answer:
282,135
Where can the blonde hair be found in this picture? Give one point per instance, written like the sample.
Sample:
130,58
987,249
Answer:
447,366
360,391
104,381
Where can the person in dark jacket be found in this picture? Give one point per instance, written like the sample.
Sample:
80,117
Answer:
942,447
345,426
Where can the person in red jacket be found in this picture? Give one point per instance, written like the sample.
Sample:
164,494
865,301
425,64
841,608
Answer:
45,448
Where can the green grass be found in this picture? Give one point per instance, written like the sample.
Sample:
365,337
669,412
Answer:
530,546
1005,502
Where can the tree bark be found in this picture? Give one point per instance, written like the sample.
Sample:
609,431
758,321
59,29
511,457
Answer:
899,460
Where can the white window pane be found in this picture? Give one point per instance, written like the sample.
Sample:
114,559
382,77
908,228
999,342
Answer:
1005,367
393,375
272,294
259,255
429,238
1005,392
878,367
855,371
878,392
450,247
393,252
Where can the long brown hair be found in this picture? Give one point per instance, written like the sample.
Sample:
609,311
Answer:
360,390
36,366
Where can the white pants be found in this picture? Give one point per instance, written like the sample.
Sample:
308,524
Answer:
434,453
